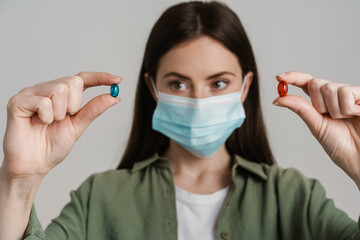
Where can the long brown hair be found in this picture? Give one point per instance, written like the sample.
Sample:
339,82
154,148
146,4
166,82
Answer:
184,22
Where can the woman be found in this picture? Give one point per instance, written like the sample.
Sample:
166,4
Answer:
198,164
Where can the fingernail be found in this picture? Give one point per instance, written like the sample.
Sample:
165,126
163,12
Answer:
277,104
117,100
117,78
282,75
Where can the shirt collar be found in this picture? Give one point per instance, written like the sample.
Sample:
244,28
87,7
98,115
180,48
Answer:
252,167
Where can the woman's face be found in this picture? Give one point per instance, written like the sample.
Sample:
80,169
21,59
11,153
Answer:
198,69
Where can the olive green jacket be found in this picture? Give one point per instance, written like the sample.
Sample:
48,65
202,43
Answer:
264,202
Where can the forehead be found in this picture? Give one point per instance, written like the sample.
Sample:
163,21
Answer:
199,57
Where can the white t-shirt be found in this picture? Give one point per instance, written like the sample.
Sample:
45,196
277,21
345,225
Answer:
197,213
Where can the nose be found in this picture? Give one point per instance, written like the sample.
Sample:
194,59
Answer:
199,91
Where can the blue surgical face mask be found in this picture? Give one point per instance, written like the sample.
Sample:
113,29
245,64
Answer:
200,125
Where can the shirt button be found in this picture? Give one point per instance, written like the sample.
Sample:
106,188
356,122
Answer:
225,235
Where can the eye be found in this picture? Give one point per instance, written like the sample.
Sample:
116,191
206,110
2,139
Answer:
177,85
220,84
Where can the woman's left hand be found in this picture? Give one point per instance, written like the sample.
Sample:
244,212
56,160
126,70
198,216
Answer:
333,117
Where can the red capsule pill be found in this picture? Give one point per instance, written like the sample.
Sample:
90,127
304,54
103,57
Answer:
282,88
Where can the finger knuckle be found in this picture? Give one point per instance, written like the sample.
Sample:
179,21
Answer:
11,103
61,88
45,102
76,82
328,88
345,90
26,90
81,74
314,85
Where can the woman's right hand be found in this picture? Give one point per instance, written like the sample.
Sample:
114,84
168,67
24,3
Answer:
45,120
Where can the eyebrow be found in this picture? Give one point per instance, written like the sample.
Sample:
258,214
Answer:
185,77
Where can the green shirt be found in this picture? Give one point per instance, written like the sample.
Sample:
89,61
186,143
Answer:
264,202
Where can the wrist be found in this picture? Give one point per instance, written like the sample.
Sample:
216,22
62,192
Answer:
18,189
16,200
18,179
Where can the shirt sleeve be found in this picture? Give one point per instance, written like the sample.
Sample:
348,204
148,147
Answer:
307,213
327,220
70,224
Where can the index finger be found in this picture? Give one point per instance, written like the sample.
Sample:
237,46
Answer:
298,79
92,79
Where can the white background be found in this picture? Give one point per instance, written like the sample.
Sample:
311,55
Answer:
45,40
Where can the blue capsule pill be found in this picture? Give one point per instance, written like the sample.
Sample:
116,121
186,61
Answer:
114,90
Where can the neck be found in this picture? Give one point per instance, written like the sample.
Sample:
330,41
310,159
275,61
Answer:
184,162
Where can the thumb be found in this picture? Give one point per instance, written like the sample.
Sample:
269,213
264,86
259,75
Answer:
93,109
304,109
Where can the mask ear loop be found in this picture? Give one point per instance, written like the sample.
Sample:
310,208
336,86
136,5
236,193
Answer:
154,87
243,85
